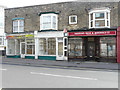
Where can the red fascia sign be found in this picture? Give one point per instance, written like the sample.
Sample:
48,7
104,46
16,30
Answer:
92,33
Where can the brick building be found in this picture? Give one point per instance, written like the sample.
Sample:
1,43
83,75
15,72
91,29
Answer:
64,31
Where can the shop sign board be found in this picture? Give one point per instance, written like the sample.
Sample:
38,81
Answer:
20,36
92,33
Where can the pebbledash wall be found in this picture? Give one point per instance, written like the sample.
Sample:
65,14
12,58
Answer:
63,31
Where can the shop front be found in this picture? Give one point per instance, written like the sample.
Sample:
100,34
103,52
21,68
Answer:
92,46
20,46
49,45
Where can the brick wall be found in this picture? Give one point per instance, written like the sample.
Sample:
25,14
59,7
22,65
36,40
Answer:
32,19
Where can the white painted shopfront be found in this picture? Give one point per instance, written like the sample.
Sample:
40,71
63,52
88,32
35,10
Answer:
43,45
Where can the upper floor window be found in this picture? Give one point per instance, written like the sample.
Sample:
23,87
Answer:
48,21
18,25
99,18
73,19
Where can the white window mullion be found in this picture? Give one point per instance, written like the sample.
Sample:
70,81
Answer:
105,17
51,22
90,21
18,26
109,19
56,22
93,20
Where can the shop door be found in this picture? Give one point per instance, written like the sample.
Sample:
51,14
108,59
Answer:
59,49
91,50
22,49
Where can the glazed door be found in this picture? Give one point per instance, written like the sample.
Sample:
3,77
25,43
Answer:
59,47
91,50
22,49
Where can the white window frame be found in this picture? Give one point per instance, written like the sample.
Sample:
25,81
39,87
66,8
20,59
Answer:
51,27
70,19
46,54
18,26
105,11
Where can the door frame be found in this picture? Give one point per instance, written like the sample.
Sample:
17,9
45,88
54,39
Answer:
59,57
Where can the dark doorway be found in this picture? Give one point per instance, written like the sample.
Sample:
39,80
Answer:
91,48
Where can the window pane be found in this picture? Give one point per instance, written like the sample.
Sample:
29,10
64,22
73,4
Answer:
11,46
46,22
21,29
54,22
99,23
104,49
33,49
73,19
91,23
75,47
23,48
91,16
47,26
46,19
15,29
17,47
60,48
0,40
15,23
99,15
42,46
51,46
21,23
54,19
108,46
29,49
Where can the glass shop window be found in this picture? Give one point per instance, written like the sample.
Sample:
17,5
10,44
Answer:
30,46
17,43
1,41
47,46
51,46
75,47
108,46
42,46
11,46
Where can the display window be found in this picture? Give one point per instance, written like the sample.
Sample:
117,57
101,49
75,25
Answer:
47,46
108,46
11,46
30,46
75,47
51,46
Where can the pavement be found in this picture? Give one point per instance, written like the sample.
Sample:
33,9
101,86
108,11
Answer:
61,64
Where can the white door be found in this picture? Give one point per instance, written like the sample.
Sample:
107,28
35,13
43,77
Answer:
22,49
59,51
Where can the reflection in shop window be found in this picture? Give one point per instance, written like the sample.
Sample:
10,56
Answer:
108,46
